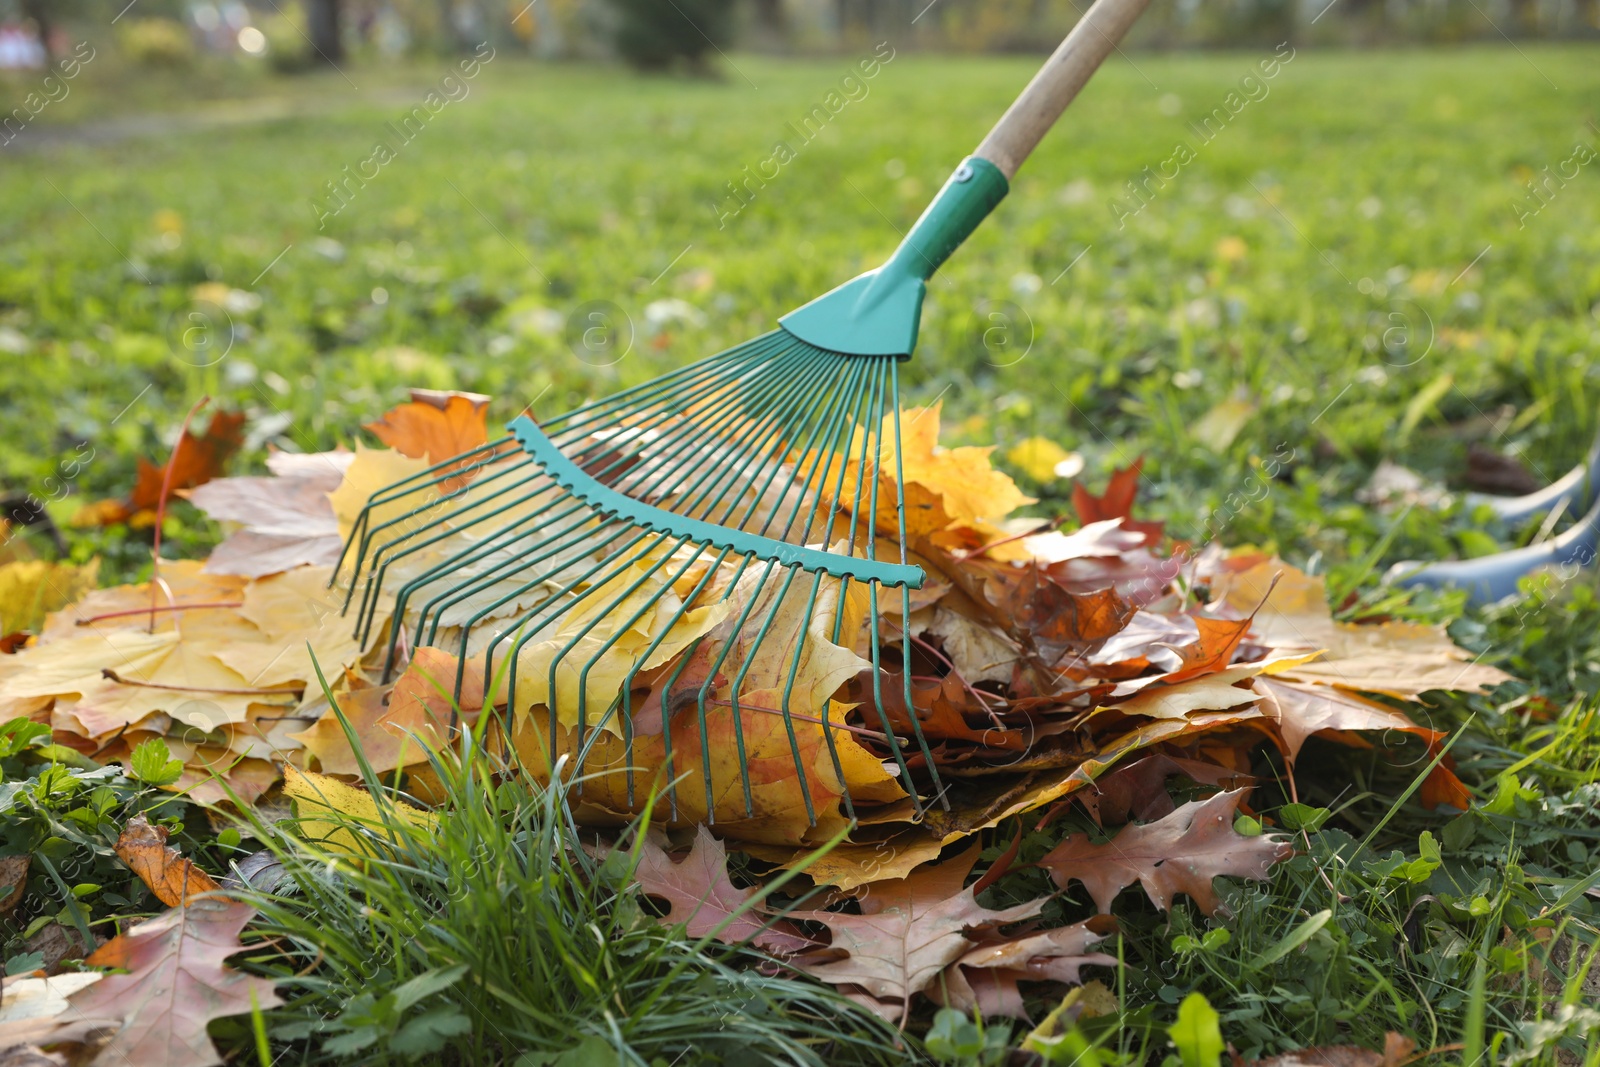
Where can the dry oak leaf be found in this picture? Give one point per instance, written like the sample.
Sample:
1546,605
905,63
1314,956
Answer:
1181,853
435,425
908,932
173,879
176,983
986,977
702,897
1298,710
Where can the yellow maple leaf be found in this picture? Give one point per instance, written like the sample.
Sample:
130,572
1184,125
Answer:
945,489
31,588
373,469
298,617
1037,457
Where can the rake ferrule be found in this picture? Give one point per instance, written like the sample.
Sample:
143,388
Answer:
878,313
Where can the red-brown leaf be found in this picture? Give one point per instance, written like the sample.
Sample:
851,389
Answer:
197,460
1116,502
909,930
702,898
176,984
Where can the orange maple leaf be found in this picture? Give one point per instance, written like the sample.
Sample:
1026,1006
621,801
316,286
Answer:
436,425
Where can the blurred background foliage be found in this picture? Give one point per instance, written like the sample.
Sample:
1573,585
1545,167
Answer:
656,34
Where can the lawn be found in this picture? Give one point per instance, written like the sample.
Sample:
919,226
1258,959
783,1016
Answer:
1350,268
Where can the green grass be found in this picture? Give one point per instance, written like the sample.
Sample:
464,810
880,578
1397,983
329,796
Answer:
1361,188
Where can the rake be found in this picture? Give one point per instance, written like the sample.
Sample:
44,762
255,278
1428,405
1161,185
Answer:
679,528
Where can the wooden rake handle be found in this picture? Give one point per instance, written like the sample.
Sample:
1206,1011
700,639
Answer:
1067,70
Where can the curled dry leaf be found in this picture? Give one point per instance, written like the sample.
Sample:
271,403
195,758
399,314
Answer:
13,877
1180,853
986,977
173,879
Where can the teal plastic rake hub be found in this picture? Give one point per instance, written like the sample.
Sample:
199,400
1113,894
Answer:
607,501
878,313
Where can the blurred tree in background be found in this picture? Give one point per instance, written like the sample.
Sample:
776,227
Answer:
658,34
324,19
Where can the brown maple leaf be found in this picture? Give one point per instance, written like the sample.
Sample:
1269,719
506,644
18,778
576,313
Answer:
701,897
1397,1050
1181,853
1138,790
1116,503
197,460
909,930
173,879
176,984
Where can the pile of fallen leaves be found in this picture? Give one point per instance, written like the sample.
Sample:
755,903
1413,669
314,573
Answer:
1048,668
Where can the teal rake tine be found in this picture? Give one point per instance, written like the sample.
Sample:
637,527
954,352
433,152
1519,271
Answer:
875,438
905,591
626,696
398,489
700,704
672,680
554,532
738,730
375,568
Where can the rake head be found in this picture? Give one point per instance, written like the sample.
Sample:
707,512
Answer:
700,563
717,544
